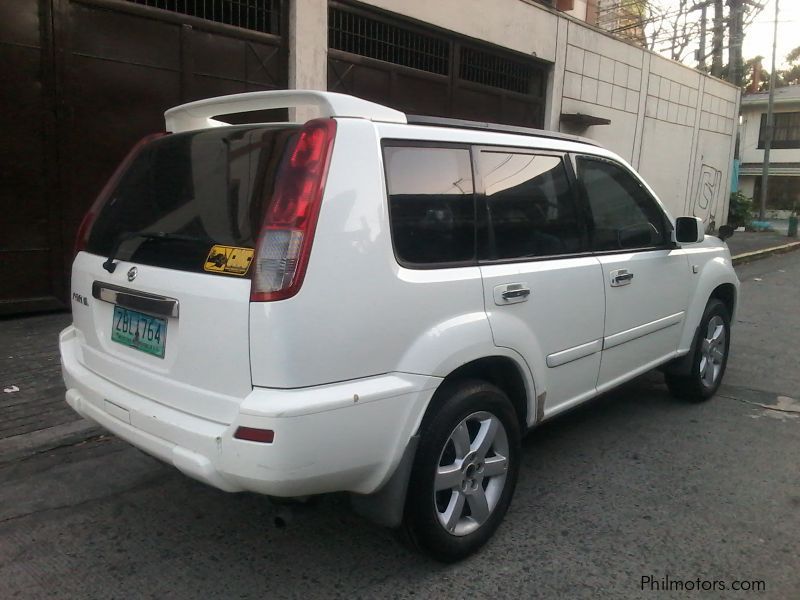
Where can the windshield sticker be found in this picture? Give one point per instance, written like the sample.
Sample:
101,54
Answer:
229,260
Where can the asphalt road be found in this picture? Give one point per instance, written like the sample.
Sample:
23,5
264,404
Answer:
635,484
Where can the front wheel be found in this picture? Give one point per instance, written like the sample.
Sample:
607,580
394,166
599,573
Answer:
710,356
464,473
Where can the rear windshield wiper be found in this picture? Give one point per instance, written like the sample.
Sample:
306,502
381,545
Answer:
110,266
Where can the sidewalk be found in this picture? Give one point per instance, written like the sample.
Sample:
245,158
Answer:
745,242
34,415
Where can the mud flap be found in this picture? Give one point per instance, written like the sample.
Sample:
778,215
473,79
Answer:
385,507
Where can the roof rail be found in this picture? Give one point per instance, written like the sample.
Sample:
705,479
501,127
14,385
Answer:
497,127
199,114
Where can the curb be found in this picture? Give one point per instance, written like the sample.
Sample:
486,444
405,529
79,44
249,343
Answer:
740,259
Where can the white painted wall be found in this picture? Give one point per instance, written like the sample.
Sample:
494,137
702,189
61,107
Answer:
673,124
676,126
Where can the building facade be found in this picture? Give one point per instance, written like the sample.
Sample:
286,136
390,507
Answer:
784,167
83,80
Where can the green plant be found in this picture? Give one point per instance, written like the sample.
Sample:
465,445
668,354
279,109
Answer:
740,213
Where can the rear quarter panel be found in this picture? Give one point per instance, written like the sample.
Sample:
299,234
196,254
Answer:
359,313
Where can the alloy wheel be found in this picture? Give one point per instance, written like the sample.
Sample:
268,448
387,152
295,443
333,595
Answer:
471,473
712,351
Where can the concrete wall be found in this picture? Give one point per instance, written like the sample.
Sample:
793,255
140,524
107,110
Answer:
676,126
673,124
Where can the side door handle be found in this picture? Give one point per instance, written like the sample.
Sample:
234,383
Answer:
511,293
621,277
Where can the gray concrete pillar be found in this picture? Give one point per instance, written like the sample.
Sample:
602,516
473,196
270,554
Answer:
308,49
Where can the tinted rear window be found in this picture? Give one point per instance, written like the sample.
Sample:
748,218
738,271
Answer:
431,204
205,188
531,208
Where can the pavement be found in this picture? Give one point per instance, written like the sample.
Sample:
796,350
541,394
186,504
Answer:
634,484
746,246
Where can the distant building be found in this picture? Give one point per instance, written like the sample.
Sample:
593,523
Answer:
784,168
623,18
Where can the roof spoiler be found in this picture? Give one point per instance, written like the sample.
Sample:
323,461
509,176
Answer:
200,114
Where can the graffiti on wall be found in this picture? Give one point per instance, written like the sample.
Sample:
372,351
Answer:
703,203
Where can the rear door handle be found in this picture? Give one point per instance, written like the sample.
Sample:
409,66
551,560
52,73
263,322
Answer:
621,277
511,293
520,293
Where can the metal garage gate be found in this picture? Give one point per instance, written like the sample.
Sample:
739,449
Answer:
422,70
82,81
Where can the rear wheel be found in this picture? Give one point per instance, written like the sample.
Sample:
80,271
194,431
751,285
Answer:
464,473
710,357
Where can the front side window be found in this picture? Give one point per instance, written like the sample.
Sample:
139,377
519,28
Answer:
431,204
531,210
623,214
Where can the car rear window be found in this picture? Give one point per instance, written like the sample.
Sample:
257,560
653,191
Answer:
196,190
431,204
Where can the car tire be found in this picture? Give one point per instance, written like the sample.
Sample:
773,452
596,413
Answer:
710,357
464,472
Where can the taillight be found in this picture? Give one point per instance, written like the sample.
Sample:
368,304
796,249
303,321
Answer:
290,219
85,228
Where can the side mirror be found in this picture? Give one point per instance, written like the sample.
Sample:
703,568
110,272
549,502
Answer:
689,230
725,232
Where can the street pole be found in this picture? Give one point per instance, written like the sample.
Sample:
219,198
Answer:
762,213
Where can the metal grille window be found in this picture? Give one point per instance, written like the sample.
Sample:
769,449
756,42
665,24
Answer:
500,72
787,131
258,15
365,36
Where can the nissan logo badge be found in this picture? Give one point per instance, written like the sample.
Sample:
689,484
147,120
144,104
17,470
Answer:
132,273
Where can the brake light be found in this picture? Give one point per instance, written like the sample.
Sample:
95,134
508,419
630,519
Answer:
284,243
85,228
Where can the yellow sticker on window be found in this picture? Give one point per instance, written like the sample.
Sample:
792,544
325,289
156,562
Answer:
229,260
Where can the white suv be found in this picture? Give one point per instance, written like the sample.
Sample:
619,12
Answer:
377,303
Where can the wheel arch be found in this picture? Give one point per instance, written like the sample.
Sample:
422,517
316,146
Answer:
502,371
727,294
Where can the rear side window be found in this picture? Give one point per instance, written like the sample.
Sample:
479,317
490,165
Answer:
531,210
431,204
623,214
198,189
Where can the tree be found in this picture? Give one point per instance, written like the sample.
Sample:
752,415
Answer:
706,28
791,76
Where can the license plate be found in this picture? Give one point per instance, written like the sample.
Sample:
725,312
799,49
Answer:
137,330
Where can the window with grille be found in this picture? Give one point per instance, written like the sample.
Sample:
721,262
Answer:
358,34
787,131
257,15
500,72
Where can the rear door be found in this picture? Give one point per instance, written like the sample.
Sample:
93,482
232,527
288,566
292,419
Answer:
543,290
167,315
645,276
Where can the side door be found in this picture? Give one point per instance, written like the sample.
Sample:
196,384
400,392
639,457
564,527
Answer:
645,275
543,290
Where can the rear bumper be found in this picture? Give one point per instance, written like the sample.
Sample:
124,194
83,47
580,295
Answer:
347,436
